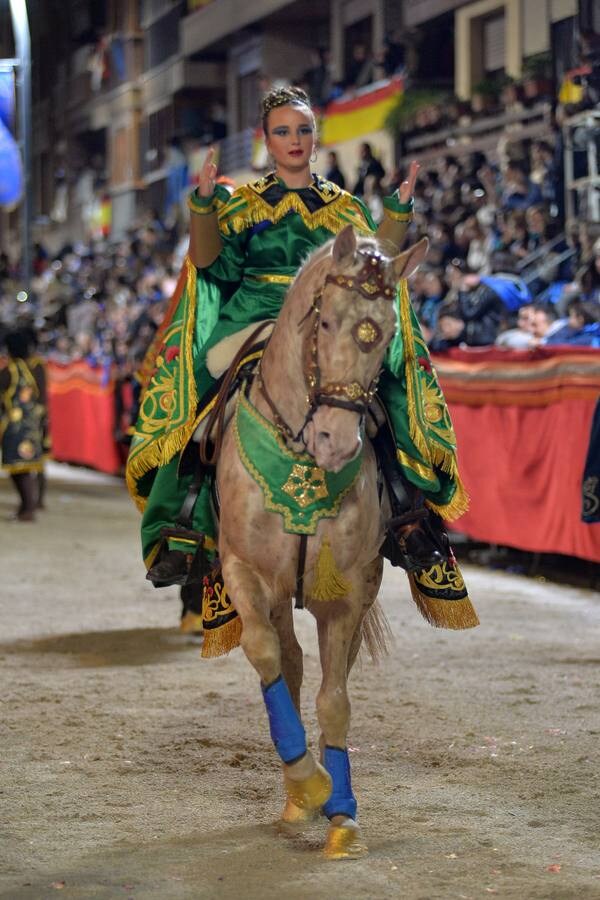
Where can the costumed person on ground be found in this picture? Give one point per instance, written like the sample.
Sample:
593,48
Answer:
23,423
245,250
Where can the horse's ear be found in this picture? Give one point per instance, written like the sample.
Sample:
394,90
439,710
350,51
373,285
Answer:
344,246
408,262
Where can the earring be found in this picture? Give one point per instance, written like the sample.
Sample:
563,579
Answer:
314,155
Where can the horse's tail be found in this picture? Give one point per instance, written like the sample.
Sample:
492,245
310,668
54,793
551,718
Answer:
376,632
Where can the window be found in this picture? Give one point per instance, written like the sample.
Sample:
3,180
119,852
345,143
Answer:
493,45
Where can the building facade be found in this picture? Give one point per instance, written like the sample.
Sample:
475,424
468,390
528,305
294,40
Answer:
126,90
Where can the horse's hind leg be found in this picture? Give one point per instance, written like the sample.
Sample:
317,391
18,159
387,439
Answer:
307,783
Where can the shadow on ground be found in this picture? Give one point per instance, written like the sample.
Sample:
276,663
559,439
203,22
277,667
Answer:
97,649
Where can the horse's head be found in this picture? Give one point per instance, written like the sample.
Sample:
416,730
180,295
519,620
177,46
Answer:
353,319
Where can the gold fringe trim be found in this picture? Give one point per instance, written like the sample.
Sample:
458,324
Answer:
442,457
236,217
455,614
219,641
328,583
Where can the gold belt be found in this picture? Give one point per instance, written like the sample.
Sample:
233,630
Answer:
273,279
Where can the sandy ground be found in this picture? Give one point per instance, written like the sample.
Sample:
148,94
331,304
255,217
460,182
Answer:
132,768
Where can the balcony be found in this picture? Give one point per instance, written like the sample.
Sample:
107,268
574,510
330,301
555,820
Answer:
215,21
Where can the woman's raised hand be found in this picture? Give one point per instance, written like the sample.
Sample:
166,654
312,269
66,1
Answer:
208,174
407,188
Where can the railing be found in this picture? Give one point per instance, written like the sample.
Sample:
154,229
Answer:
451,136
582,136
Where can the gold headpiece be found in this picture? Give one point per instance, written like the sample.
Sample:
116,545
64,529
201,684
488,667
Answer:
282,97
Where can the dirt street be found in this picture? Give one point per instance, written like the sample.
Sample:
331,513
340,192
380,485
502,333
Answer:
132,768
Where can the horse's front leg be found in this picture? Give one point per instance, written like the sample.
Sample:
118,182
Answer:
307,783
338,622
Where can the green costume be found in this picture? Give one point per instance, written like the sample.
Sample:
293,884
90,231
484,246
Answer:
267,230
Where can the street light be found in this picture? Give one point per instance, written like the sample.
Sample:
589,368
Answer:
20,23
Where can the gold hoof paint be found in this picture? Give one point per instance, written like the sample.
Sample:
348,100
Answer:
295,815
311,793
191,623
344,842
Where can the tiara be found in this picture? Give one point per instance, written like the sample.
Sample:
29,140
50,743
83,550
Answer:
283,96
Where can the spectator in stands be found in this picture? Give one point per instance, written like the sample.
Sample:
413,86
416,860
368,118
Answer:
520,336
443,245
474,318
360,69
546,322
588,277
480,245
544,170
368,165
373,197
583,325
318,78
433,293
334,173
519,192
450,328
395,56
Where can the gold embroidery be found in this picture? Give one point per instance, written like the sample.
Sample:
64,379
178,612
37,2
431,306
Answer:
273,279
398,216
442,575
306,484
433,412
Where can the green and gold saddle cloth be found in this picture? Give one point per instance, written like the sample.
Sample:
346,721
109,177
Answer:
293,485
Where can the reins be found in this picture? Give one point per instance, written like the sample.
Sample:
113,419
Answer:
370,283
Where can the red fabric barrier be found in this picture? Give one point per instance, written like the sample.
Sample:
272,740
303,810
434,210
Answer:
522,423
82,416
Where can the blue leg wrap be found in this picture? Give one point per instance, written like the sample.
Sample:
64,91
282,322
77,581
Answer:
342,801
287,731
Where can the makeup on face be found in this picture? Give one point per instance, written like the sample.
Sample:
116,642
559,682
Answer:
291,137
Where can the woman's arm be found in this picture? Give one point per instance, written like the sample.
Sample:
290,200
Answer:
205,240
398,211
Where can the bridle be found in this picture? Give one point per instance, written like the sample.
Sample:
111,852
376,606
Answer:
370,283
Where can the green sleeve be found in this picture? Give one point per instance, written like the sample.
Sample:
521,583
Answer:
229,265
399,211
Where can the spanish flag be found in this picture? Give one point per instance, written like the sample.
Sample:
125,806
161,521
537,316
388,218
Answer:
366,111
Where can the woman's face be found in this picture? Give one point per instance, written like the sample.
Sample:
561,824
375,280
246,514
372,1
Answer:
291,137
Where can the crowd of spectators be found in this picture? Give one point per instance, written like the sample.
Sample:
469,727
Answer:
99,303
501,268
498,245
363,68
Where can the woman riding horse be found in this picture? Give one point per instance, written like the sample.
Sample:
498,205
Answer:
245,250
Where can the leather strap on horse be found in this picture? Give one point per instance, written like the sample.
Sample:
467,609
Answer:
217,415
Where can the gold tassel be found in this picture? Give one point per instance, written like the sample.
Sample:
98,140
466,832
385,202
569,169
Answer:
219,641
456,614
328,581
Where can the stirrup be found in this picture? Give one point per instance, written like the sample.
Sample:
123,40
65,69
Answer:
409,544
176,567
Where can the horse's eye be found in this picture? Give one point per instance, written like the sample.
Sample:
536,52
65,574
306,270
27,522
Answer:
325,325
